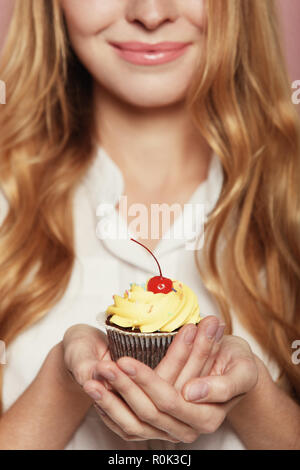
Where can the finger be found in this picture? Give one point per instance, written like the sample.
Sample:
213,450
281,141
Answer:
119,412
202,348
168,400
78,340
209,364
139,401
116,429
106,357
84,346
83,370
239,379
177,354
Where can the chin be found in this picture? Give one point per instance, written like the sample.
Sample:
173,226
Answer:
151,103
142,98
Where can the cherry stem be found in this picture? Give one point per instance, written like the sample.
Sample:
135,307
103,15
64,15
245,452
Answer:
150,253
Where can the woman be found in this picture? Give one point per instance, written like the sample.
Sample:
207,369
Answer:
88,120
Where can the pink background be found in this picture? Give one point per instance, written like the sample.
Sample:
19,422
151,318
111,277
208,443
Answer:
290,19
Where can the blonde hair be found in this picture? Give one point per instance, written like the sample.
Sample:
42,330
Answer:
240,100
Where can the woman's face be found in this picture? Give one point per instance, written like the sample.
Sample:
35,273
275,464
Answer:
139,78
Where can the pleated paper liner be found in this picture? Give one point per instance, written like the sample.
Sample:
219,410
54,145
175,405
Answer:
148,348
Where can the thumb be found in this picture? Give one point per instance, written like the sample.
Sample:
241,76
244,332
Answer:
234,383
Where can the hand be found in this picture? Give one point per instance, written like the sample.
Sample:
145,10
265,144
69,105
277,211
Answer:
233,375
191,354
150,404
84,346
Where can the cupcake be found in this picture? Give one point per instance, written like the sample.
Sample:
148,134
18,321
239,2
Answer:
143,322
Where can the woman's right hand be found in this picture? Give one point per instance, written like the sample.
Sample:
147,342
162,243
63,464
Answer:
84,346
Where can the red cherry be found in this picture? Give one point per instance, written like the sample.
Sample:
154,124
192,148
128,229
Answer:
157,284
160,285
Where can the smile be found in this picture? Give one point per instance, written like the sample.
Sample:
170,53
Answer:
141,54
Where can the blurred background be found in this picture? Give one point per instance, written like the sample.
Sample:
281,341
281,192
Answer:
289,16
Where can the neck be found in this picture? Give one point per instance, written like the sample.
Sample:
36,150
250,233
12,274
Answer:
149,141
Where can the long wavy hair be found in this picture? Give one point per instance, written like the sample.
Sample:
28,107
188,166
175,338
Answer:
239,99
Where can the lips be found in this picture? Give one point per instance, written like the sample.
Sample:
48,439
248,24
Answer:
141,53
148,47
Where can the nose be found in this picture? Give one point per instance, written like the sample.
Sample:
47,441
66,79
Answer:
151,13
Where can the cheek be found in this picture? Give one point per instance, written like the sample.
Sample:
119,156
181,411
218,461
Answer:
195,12
90,28
87,17
91,16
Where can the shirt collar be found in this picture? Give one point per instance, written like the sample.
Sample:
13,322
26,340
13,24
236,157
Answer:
105,185
104,180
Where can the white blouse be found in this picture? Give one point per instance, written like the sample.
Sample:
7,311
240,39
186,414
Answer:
105,266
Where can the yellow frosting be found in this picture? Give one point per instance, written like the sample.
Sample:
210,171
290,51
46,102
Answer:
149,312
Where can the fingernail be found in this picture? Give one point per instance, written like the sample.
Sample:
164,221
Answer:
197,391
211,330
189,335
98,377
220,332
109,375
94,394
102,380
130,370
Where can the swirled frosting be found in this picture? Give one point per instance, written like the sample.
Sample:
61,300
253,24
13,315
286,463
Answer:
148,312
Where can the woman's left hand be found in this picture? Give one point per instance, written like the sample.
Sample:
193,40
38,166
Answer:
148,406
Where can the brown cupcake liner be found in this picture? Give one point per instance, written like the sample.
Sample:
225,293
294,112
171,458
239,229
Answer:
148,348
